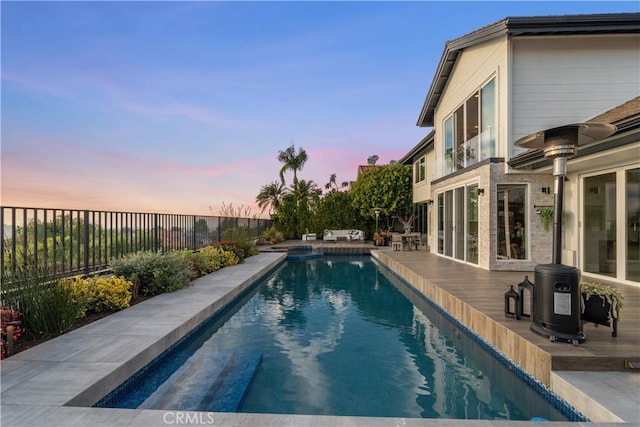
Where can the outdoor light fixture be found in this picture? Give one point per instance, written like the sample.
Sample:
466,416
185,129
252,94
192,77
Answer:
557,287
480,191
377,212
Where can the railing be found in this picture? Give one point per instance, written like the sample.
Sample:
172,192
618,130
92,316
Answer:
73,241
470,152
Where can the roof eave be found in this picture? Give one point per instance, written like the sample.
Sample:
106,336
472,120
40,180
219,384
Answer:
627,133
612,23
424,145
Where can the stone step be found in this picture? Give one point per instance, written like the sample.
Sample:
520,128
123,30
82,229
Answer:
210,380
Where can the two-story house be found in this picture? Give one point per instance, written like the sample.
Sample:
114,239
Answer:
481,199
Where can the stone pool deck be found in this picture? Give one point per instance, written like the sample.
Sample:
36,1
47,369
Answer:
52,384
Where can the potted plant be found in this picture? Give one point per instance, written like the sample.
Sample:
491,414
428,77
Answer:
378,240
546,217
382,238
406,222
601,304
386,237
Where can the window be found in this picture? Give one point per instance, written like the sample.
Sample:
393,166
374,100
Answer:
512,237
441,223
419,170
448,145
632,232
488,120
469,134
472,224
600,224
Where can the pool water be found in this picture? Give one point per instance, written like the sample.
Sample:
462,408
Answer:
342,336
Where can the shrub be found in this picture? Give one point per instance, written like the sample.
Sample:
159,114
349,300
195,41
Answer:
271,233
230,258
80,292
154,273
102,293
7,315
231,247
110,293
204,261
248,248
47,306
240,238
608,293
238,234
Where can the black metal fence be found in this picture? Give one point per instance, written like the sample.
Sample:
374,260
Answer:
73,241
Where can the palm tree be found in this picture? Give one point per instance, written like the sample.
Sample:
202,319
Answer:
306,191
292,161
332,186
270,196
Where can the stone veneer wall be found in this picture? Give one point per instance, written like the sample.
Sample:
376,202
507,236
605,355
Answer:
540,241
529,357
488,176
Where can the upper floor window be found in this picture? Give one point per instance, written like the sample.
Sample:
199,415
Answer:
419,170
469,133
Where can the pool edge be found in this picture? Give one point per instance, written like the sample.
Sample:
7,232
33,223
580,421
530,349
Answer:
502,340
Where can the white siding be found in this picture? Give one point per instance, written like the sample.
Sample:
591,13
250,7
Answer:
422,190
475,67
558,81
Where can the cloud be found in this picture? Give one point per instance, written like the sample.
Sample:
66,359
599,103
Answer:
174,109
76,176
30,83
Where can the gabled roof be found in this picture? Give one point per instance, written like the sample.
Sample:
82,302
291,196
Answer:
363,168
625,117
425,145
611,23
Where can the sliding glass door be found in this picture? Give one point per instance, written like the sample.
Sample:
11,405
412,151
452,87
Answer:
611,224
458,223
632,195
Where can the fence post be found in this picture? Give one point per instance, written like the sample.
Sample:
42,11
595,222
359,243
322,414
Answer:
156,233
194,245
86,242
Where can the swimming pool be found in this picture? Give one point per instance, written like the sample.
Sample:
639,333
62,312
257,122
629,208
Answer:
339,336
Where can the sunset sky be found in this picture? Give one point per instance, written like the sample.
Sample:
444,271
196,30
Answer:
181,106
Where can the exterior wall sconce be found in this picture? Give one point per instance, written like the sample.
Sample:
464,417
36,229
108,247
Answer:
480,191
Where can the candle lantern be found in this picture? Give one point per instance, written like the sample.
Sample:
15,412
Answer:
525,293
511,303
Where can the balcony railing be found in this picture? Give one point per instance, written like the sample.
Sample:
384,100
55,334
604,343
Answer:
472,151
73,241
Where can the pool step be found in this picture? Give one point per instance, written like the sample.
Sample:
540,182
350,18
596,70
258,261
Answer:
303,253
210,380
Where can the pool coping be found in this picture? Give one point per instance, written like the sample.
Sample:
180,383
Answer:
55,382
